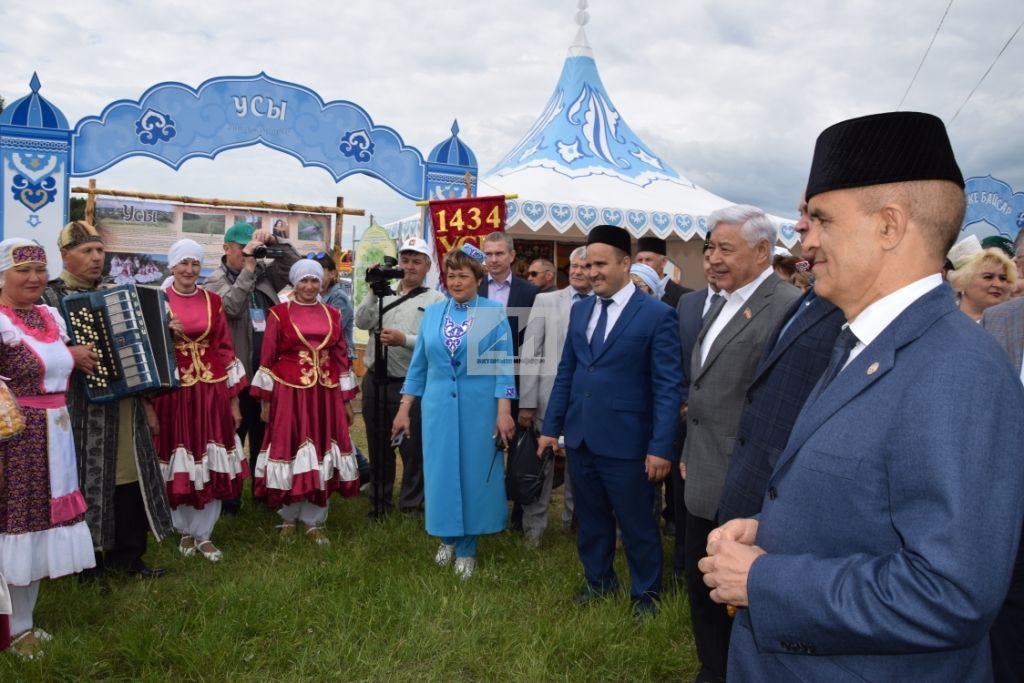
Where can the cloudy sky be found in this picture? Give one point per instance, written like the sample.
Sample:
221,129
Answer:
732,94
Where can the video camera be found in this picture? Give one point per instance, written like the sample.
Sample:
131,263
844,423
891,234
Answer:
264,251
378,276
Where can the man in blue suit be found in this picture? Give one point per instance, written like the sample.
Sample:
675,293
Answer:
888,533
616,400
792,362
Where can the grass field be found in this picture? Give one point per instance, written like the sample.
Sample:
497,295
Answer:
369,607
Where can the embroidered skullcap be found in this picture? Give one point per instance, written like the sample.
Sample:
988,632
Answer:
963,250
611,235
18,251
650,278
472,252
893,147
654,245
76,233
184,249
304,268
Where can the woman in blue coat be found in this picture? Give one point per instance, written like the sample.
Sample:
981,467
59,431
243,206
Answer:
463,368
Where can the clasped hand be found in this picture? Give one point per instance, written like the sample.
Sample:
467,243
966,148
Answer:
731,553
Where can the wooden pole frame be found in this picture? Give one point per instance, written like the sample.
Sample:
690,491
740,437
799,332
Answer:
92,191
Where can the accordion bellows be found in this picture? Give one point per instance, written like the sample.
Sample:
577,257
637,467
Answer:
127,326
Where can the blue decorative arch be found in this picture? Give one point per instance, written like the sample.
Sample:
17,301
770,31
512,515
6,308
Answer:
173,122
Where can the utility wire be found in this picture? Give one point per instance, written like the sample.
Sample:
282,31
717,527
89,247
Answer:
925,55
978,84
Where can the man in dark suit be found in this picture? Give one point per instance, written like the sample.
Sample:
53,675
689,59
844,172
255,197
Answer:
887,538
653,252
793,360
1006,323
616,400
740,244
517,295
693,307
501,285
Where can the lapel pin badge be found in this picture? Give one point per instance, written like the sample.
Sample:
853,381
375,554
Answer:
873,368
747,314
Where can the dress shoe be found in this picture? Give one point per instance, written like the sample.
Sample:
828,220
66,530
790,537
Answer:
589,594
143,571
644,609
705,675
464,567
445,553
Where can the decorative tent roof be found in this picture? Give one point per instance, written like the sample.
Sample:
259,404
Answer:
453,150
581,165
34,110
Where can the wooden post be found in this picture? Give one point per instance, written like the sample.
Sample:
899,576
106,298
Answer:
336,249
90,203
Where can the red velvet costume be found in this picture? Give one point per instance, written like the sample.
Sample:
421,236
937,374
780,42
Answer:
305,373
200,456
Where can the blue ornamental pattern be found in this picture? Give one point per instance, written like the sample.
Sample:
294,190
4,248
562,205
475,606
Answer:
154,126
357,144
34,195
32,183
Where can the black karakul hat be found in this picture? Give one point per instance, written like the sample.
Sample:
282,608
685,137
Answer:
655,245
894,147
610,234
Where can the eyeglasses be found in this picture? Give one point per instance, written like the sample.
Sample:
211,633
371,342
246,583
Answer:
316,254
535,273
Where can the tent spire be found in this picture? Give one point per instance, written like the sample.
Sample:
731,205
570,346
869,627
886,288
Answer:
580,45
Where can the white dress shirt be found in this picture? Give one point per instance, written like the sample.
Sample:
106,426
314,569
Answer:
734,301
619,301
498,291
873,320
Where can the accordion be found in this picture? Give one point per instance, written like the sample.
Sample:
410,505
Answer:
127,327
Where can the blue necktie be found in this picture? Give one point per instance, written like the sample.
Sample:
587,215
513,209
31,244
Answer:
840,352
597,339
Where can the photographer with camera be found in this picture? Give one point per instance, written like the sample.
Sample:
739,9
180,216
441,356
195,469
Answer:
248,287
395,336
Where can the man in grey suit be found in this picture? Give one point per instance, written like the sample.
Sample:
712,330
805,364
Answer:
1006,323
538,365
722,367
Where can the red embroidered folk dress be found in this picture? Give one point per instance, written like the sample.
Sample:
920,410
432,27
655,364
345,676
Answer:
42,528
201,457
305,374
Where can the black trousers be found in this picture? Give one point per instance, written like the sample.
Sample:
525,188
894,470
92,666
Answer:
679,510
1007,634
131,529
410,495
711,622
253,427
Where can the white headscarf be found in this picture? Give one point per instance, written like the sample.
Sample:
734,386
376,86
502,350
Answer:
8,247
647,274
304,268
184,249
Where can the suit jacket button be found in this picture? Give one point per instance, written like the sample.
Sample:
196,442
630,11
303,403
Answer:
696,421
586,394
741,441
696,386
773,493
590,369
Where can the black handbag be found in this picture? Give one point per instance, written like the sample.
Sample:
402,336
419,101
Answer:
524,478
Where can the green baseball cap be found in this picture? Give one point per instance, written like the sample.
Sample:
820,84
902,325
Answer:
240,233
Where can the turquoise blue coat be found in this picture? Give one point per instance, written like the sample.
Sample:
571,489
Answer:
464,474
